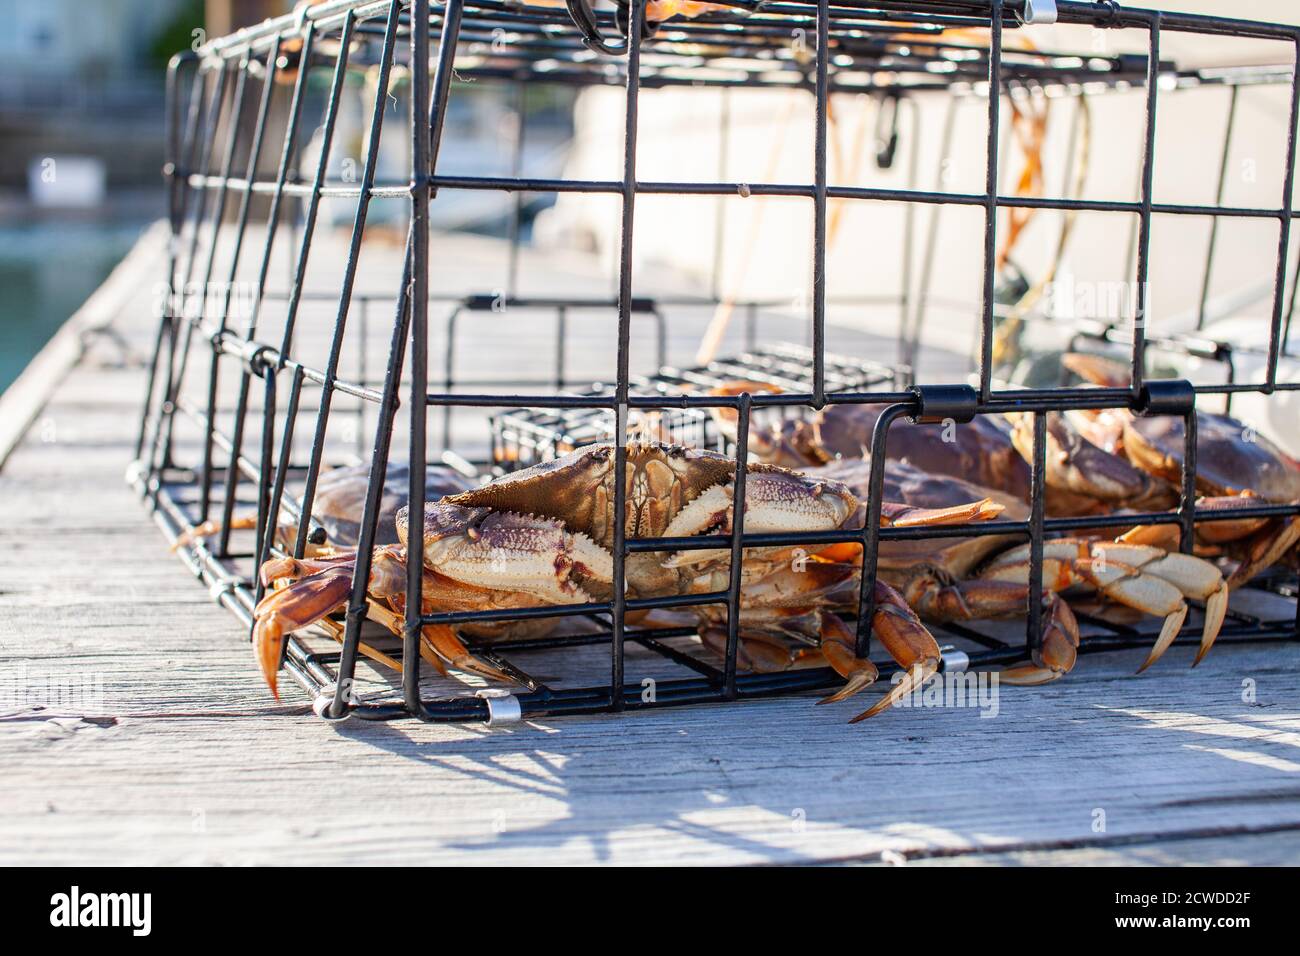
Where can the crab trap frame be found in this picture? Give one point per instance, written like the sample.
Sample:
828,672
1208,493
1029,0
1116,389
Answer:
237,416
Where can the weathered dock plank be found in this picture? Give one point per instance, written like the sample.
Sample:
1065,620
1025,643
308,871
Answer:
186,758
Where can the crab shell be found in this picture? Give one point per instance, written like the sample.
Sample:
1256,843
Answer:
1082,476
1231,458
549,529
980,449
341,496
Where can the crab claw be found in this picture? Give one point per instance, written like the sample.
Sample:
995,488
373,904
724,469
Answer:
776,500
915,677
511,552
1129,586
300,604
1194,578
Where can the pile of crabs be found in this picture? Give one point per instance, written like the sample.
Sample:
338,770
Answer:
543,536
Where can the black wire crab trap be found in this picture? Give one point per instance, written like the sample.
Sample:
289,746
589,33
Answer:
296,396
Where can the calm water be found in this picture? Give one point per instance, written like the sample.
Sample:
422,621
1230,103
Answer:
47,270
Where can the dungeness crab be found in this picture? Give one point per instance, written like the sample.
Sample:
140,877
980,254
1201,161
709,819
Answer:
959,579
1236,467
543,536
991,450
337,508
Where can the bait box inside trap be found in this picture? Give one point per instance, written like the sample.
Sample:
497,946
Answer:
523,437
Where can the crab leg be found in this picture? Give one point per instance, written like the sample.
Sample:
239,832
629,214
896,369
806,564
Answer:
210,527
299,605
767,635
839,647
983,598
1259,542
907,641
757,651
440,646
906,516
1266,548
1057,649
324,588
1192,576
277,569
1145,578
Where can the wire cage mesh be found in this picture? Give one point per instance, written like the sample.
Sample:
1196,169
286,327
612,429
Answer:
285,348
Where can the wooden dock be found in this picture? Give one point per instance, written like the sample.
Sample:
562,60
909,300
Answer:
134,727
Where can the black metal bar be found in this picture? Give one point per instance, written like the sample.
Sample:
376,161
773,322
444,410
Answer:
991,198
269,525
266,518
315,190
421,163
175,193
517,171
909,227
273,220
448,373
211,113
350,273
1037,496
223,316
819,206
1218,201
1187,488
1275,343
871,526
1140,297
913,336
737,544
636,16
720,204
612,187
219,214
357,604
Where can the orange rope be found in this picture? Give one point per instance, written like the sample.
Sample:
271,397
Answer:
1029,128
